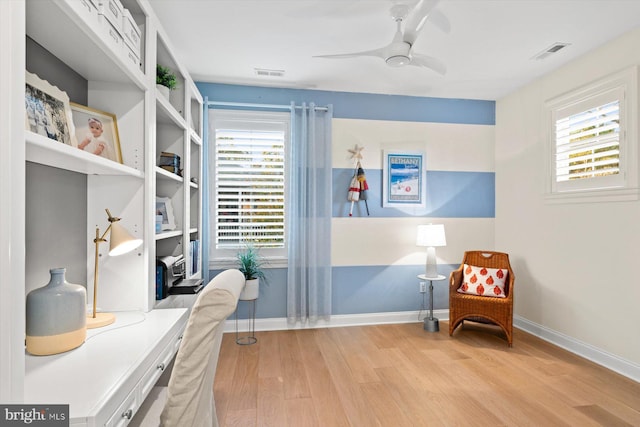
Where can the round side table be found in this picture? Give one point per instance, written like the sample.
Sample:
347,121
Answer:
430,322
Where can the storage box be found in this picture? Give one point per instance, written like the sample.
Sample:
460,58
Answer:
86,10
131,58
130,32
111,36
112,10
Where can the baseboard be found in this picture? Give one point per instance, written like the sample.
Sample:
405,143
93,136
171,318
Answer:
278,324
587,351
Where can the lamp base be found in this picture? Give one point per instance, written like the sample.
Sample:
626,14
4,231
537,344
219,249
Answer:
431,325
101,319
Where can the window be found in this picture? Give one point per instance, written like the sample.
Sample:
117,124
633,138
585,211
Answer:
248,159
593,140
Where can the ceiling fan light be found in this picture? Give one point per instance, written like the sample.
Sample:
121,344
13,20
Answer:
398,60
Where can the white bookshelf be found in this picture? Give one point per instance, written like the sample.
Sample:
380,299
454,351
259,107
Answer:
120,81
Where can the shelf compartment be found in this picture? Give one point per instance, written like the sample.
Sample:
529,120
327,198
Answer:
168,234
165,58
195,138
165,174
45,151
53,24
166,113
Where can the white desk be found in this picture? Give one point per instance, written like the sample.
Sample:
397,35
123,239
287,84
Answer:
105,380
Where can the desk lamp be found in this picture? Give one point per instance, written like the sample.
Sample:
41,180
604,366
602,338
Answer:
121,242
431,235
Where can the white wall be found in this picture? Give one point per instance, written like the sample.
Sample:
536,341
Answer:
575,263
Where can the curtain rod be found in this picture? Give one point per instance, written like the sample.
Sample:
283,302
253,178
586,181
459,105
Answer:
271,106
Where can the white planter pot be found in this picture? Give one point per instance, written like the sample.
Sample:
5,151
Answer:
165,91
251,290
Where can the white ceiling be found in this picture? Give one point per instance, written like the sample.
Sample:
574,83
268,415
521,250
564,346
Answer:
488,52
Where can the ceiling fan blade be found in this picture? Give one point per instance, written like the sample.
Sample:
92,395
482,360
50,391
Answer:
440,21
417,18
419,60
378,53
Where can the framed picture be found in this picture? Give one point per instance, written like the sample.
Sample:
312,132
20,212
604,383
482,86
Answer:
96,132
47,110
165,209
404,176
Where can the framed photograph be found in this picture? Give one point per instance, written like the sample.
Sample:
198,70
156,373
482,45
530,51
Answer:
47,110
404,177
96,132
165,209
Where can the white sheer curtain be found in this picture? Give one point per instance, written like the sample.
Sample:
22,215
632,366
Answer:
309,217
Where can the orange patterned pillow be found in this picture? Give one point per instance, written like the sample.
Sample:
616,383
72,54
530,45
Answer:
488,282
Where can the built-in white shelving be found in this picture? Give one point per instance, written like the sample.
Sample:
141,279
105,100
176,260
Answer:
117,78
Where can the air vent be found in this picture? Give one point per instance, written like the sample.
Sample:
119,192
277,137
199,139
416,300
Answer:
550,50
263,72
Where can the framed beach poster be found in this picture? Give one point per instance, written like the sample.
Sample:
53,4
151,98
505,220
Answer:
404,176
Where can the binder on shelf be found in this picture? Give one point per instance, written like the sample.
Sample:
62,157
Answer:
194,255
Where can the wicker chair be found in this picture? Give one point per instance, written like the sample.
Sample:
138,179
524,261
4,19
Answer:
477,308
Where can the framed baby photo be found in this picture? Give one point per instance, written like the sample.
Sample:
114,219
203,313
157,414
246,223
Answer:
47,110
96,132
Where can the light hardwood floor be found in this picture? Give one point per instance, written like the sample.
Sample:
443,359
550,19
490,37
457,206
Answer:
400,375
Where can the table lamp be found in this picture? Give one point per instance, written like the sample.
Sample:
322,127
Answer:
121,242
431,235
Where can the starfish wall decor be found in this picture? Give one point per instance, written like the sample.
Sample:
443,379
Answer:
356,152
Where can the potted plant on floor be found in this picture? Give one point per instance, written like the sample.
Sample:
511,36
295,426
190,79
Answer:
250,263
166,81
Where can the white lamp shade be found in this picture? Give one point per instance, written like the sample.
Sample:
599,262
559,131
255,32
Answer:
431,235
120,241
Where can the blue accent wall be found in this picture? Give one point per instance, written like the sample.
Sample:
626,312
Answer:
376,289
347,105
358,289
449,195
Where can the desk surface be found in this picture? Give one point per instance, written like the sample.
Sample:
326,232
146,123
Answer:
111,358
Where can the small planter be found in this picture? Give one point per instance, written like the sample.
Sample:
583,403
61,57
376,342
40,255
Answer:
164,91
166,81
251,290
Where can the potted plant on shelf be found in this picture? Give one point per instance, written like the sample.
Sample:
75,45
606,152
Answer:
166,81
250,263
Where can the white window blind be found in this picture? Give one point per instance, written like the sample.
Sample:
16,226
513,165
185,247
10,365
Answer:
588,142
249,170
593,141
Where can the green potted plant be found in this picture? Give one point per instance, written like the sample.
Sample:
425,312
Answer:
166,81
250,263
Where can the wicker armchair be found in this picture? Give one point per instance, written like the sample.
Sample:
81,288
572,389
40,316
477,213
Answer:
485,309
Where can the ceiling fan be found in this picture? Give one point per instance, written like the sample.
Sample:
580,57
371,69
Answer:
399,52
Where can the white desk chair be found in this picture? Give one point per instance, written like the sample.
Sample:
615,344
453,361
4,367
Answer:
188,400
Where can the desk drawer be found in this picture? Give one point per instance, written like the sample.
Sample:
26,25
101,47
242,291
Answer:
122,416
151,377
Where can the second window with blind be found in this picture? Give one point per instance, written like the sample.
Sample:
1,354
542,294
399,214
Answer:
248,170
593,139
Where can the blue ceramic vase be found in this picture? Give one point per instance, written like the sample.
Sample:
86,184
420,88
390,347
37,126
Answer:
56,316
